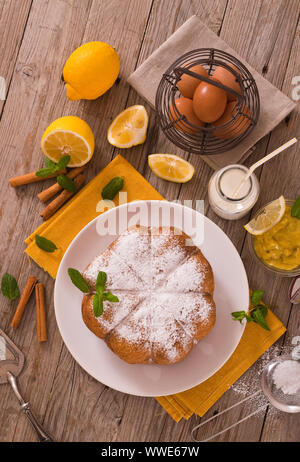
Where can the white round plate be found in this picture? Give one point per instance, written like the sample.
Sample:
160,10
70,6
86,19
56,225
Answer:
207,357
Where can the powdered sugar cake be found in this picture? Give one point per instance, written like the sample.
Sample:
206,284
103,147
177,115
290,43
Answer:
165,290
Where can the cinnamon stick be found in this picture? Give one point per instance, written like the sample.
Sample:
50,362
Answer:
31,178
40,312
61,199
31,281
48,193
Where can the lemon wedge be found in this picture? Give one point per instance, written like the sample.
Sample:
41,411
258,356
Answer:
129,128
171,167
71,136
269,216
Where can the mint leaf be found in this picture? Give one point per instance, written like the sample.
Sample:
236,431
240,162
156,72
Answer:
110,297
256,297
295,211
97,305
263,309
101,281
45,244
9,287
63,162
50,164
259,315
78,280
112,188
44,172
66,183
240,315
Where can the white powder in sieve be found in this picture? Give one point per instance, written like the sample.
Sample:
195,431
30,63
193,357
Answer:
249,383
286,376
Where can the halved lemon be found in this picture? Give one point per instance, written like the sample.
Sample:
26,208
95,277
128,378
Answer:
71,136
269,216
129,128
171,167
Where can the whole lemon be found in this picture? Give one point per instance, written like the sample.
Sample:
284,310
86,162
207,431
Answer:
91,70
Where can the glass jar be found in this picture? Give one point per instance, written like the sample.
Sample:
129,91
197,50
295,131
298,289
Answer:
222,186
251,239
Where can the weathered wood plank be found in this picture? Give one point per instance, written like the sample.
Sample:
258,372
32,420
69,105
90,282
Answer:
280,426
15,13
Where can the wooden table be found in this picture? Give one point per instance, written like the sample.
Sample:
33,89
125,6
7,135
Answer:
36,37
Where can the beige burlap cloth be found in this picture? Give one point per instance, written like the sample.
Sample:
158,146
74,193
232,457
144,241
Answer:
275,106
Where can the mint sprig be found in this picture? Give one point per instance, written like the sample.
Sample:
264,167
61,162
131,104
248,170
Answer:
257,313
9,287
98,298
52,167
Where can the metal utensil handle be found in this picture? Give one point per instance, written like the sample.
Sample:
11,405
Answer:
225,411
25,407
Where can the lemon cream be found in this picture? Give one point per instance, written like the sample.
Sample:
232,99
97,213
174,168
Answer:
280,245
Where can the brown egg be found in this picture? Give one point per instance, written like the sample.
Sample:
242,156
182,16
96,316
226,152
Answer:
209,102
185,107
188,84
237,127
228,79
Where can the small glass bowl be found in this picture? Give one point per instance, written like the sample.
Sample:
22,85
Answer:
282,272
284,402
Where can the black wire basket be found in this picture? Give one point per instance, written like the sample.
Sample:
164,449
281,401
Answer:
203,140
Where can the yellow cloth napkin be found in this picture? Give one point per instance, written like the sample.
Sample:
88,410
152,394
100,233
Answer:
63,226
61,229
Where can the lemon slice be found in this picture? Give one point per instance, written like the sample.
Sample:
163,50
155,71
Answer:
171,167
129,128
71,136
269,216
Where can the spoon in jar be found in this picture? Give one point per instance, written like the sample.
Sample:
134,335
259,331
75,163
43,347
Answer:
262,161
